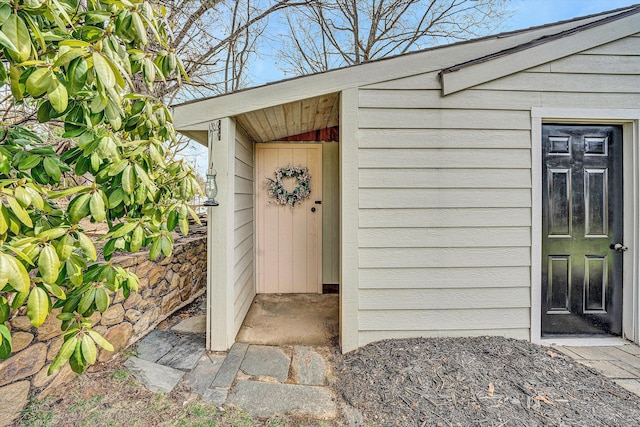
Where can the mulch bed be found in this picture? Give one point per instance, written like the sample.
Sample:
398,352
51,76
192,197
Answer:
485,381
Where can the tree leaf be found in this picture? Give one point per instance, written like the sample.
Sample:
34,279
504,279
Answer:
115,198
55,290
20,212
100,340
65,352
39,81
97,207
52,168
64,248
38,306
166,246
86,301
49,264
69,56
154,251
14,272
74,271
77,75
4,309
172,220
137,238
5,342
128,180
87,246
58,95
89,351
102,299
29,162
103,70
79,208
17,33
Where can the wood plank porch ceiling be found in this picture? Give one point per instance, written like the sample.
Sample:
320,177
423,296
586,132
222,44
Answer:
294,118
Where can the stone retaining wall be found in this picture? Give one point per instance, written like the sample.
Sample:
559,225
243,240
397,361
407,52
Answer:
166,285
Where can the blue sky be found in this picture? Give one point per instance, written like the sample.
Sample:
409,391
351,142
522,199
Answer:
528,13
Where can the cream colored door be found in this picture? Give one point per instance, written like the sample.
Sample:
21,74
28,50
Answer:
289,240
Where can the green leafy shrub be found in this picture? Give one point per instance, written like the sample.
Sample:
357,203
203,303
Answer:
77,65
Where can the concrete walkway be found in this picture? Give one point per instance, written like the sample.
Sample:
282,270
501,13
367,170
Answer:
264,380
621,363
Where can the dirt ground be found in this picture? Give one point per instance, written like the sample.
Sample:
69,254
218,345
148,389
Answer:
486,381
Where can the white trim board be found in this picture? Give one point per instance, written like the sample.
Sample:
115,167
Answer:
629,118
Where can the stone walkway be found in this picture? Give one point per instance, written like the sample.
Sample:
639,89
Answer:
263,380
267,380
621,363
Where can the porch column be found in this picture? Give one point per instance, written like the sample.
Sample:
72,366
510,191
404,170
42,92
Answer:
220,334
349,282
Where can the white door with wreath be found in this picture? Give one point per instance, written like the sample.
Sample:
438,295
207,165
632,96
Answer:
289,218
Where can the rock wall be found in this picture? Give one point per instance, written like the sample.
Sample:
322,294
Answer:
166,285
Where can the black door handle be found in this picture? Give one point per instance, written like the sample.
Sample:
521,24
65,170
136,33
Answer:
313,209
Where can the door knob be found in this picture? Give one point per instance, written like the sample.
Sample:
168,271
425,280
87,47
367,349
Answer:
619,247
313,209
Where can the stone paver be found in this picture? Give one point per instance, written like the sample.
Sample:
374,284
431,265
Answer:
266,361
631,385
215,396
620,363
156,345
609,368
185,354
155,377
230,366
201,377
310,366
192,325
263,399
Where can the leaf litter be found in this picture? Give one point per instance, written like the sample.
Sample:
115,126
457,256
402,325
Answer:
483,381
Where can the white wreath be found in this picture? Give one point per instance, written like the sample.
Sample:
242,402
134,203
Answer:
302,190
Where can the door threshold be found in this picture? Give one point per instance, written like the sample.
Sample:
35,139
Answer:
584,341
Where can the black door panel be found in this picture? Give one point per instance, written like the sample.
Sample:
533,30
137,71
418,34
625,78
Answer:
582,219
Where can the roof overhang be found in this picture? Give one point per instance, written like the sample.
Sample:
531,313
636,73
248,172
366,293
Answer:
539,51
308,103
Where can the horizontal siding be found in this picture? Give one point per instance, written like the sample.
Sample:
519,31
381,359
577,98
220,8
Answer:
445,193
481,319
411,237
446,217
243,234
445,198
445,178
444,257
439,278
367,337
439,138
436,118
492,99
430,99
567,82
590,64
623,47
445,158
444,298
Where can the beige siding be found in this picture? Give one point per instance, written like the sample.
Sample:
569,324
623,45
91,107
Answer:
244,285
444,230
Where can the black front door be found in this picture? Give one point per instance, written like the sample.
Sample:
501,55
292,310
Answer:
581,224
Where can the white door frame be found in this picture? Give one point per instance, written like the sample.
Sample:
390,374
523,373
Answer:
629,119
